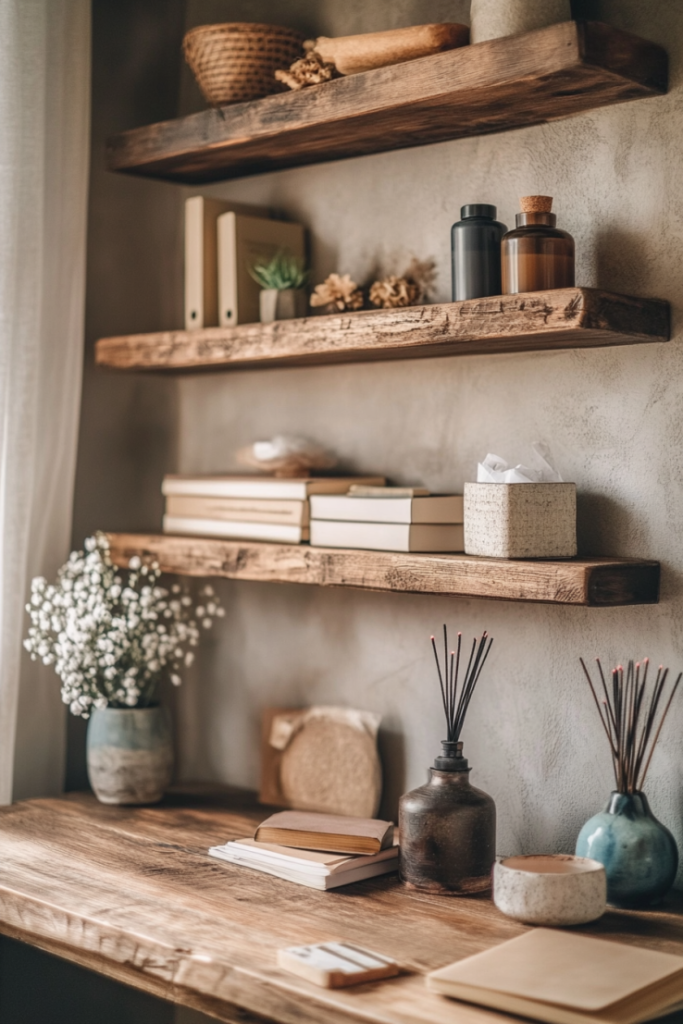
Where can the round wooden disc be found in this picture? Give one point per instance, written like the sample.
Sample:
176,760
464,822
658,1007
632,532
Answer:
332,767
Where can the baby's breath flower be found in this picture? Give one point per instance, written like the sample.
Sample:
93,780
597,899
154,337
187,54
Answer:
110,638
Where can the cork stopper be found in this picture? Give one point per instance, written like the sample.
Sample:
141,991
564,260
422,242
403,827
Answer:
536,204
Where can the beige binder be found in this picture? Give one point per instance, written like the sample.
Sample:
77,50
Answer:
201,257
242,241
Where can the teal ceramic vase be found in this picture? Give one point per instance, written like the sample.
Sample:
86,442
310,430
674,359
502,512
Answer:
130,754
639,854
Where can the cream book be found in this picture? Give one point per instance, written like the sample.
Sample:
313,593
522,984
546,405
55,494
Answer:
316,870
445,508
252,510
334,833
564,978
327,533
254,486
243,241
232,530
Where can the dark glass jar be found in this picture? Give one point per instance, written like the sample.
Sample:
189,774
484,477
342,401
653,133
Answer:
447,831
475,252
537,256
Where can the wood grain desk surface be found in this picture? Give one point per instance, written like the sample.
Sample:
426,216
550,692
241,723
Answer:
132,894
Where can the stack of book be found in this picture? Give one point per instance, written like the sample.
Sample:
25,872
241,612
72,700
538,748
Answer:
388,519
321,851
247,507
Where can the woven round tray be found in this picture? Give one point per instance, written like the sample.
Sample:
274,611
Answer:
237,61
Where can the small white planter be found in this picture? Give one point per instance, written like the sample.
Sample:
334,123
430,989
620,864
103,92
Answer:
550,889
520,520
490,19
281,305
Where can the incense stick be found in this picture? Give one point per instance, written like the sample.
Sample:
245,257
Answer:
631,719
456,701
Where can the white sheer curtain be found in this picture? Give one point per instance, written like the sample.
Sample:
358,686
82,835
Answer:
44,150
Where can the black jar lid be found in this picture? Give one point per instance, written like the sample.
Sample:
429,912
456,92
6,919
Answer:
478,210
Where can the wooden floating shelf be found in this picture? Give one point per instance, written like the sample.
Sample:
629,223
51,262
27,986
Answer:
493,86
586,581
565,318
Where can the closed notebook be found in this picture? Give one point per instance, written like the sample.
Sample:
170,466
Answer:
446,508
564,978
256,486
276,533
306,867
250,510
308,830
326,533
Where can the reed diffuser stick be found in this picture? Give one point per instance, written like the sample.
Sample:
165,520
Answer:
630,717
456,703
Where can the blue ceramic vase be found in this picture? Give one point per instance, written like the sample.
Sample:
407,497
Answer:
639,854
130,754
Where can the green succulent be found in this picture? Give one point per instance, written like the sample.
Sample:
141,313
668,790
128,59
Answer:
281,271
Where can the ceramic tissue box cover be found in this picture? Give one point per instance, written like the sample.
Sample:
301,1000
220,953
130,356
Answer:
553,889
527,520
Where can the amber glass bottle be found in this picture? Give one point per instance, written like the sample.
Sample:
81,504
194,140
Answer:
536,256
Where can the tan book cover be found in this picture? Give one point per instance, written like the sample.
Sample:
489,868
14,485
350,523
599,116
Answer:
253,510
308,830
243,241
260,486
564,978
275,533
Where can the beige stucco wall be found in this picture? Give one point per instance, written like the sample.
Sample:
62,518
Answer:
614,420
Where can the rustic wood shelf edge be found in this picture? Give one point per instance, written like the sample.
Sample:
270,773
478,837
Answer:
492,86
596,582
559,319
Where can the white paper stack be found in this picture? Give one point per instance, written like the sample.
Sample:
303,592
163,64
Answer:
306,867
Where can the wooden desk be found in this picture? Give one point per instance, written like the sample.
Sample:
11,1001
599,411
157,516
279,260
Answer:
132,894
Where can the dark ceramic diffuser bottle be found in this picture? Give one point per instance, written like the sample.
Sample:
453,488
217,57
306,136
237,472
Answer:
537,256
448,828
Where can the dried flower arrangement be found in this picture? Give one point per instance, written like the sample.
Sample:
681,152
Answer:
280,272
338,292
310,69
112,636
410,289
286,456
629,718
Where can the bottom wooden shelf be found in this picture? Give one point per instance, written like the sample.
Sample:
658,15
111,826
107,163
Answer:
586,581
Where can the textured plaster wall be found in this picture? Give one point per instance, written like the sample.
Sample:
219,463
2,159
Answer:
614,420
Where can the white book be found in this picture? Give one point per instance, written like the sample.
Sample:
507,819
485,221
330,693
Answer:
326,533
243,241
445,508
306,867
274,532
260,486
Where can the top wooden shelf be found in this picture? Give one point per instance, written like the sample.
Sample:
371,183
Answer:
493,86
205,934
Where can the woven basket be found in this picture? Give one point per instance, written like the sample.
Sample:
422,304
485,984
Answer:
237,61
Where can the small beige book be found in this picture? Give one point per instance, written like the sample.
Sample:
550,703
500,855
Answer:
564,978
336,964
251,510
308,830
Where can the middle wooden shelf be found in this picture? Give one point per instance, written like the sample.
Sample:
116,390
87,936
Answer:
593,582
560,319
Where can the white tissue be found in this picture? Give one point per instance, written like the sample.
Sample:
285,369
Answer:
494,470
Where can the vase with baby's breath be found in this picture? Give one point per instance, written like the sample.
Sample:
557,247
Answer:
639,854
112,636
